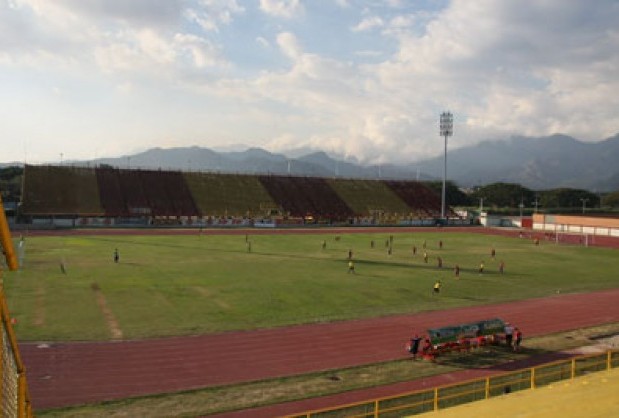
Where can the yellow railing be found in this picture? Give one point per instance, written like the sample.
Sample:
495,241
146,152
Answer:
441,397
14,395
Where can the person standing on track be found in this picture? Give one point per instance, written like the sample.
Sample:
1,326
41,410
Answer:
509,334
518,340
414,346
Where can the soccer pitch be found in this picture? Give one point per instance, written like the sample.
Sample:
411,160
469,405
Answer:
192,284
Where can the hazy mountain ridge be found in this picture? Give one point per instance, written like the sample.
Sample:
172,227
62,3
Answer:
537,163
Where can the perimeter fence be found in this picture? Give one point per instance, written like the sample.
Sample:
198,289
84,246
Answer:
418,402
14,396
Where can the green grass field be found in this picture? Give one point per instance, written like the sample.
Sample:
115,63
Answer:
177,285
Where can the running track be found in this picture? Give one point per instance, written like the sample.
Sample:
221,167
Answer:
69,374
63,374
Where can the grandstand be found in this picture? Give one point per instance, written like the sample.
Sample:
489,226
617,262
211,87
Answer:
421,199
307,197
113,196
228,194
60,191
369,198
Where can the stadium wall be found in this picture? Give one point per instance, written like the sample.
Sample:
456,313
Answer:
584,225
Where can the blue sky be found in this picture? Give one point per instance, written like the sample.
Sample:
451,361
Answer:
366,80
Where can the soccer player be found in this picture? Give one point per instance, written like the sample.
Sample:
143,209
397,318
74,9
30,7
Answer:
437,287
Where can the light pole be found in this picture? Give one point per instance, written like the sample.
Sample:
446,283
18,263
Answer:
584,204
536,203
446,129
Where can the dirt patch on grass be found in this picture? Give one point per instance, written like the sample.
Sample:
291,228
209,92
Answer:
110,319
202,291
39,310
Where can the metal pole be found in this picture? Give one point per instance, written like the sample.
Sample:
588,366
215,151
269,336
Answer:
446,129
444,180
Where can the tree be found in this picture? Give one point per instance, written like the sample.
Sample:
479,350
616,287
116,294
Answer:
453,194
504,195
568,198
611,199
10,183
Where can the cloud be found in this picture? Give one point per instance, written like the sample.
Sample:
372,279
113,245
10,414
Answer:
262,42
368,23
111,36
374,92
282,8
289,45
501,68
211,14
140,12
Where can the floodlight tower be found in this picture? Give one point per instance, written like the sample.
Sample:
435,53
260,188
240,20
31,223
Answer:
446,129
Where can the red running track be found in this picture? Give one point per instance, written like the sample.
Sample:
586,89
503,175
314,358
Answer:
66,374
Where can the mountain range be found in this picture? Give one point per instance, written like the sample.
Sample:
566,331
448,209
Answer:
536,163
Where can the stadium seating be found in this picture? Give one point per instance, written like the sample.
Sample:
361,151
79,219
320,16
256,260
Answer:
166,196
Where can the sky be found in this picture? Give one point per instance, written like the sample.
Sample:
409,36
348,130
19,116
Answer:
364,80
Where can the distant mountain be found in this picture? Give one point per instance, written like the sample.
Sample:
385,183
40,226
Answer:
536,163
251,161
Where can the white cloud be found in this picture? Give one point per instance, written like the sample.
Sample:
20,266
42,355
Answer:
117,35
262,42
282,8
210,14
289,45
368,23
500,67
